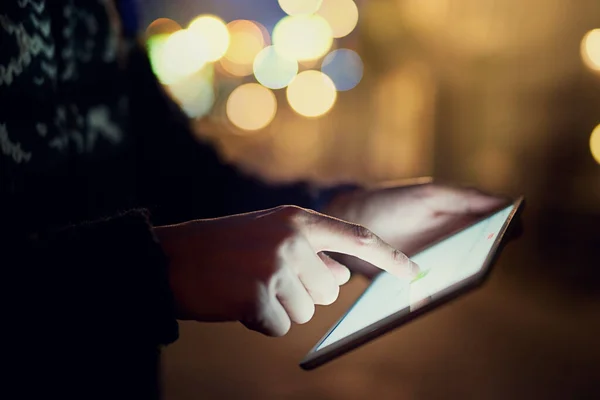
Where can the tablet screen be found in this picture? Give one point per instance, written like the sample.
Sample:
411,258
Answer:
443,265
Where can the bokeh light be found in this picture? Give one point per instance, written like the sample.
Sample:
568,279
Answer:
311,93
265,32
341,15
274,70
213,31
595,144
162,26
298,7
590,49
344,67
302,37
155,46
175,56
246,41
195,94
310,64
251,107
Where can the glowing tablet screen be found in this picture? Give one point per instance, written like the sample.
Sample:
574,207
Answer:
444,264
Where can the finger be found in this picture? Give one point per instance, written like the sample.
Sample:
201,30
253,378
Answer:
339,271
294,298
453,200
318,280
270,319
326,233
356,265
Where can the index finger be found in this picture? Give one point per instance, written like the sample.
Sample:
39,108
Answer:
325,233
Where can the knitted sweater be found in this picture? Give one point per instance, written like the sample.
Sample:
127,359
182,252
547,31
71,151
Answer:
92,155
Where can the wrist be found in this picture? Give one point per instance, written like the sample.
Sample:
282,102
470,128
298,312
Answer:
163,236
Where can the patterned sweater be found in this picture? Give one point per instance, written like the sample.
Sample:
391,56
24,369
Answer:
92,154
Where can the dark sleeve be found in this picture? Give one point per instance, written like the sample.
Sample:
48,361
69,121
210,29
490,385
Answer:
182,178
87,308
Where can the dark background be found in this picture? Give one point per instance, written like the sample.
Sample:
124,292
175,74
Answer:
478,92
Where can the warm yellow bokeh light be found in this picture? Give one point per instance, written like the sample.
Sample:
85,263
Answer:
214,32
155,46
251,107
177,55
342,16
195,94
246,41
274,70
162,26
590,49
303,37
298,7
311,93
595,144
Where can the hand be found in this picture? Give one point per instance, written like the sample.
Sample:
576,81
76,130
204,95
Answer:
266,269
413,216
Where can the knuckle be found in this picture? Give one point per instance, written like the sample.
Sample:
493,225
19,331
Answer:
289,212
288,250
399,257
298,217
363,235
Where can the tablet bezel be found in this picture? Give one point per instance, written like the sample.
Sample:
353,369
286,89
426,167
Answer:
316,358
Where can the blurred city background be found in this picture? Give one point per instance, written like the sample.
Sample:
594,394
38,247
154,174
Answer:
502,95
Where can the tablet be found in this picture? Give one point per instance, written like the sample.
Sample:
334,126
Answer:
449,268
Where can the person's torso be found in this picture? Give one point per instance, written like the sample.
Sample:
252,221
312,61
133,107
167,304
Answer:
64,142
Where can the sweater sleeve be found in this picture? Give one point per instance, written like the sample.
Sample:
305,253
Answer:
112,270
88,305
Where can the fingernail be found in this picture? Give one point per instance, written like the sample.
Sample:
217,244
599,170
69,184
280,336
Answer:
414,269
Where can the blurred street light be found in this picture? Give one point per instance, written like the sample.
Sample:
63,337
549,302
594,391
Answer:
162,26
273,69
177,55
251,107
590,49
342,16
212,31
299,7
303,37
311,93
195,94
246,41
344,67
595,144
